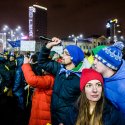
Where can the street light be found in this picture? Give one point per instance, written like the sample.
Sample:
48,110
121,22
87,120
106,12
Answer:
122,37
12,34
112,29
76,38
108,25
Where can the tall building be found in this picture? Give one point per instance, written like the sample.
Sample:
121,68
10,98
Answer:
37,22
114,31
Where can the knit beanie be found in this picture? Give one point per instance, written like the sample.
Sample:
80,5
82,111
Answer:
97,49
76,53
88,75
111,56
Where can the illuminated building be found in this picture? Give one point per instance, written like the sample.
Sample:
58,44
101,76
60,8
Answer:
37,24
114,32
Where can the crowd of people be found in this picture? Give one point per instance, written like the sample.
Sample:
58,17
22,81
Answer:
68,89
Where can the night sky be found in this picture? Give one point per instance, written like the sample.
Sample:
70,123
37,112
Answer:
66,17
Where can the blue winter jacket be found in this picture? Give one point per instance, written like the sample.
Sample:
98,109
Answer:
114,88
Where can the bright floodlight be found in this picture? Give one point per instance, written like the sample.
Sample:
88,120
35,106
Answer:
5,28
107,25
119,31
22,34
117,25
109,37
19,27
69,36
81,36
122,37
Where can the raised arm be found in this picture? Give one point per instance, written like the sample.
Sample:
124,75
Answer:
43,60
43,82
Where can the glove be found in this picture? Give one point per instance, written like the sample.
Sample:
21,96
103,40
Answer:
5,89
48,124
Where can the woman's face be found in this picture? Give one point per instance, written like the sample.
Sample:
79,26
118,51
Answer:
93,90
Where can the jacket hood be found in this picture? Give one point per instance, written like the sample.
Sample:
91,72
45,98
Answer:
120,74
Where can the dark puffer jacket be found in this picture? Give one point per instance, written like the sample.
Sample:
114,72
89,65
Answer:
65,91
5,75
19,83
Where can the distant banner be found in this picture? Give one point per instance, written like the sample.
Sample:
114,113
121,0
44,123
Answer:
28,45
14,43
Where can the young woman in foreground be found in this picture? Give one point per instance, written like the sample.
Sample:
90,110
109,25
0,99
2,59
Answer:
91,107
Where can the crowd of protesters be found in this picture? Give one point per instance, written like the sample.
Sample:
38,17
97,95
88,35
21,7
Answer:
69,89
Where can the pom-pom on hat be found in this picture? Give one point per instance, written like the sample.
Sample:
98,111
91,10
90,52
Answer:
76,53
88,75
111,56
